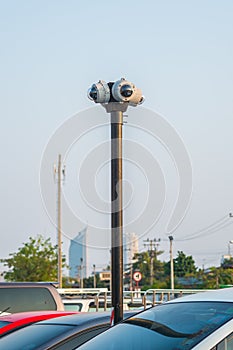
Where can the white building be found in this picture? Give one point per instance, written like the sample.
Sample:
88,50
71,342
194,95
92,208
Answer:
130,247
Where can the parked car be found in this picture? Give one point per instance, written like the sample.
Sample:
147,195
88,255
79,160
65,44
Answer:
61,333
29,296
81,305
202,321
12,322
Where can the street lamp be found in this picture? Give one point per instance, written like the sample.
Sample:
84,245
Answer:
115,97
171,262
94,277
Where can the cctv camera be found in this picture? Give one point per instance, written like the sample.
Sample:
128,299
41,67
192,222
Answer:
125,91
99,92
137,98
122,90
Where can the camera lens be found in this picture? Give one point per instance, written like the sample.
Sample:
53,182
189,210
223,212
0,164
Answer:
126,90
93,92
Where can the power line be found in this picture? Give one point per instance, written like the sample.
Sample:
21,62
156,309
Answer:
207,233
217,225
224,218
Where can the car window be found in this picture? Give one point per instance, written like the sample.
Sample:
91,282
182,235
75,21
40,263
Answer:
26,299
225,344
169,326
73,307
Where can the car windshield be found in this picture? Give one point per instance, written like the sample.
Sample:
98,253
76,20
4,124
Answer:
169,326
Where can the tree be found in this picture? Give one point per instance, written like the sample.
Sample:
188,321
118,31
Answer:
89,282
227,263
142,263
35,261
184,265
216,277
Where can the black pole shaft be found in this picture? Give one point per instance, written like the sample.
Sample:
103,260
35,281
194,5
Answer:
116,216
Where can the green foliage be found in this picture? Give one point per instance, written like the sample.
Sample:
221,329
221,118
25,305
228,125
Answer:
143,264
217,276
184,265
35,261
89,282
227,263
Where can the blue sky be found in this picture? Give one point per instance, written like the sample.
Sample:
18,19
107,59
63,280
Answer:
179,53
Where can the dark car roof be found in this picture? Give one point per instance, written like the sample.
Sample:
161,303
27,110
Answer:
85,317
22,319
79,319
55,331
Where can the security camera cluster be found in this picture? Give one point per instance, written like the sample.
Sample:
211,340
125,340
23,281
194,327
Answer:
120,91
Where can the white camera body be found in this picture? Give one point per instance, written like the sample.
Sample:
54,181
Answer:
125,91
122,91
99,92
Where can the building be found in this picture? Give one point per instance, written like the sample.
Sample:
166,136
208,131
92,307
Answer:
78,257
130,242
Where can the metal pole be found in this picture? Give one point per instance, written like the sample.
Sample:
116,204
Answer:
151,262
94,278
59,223
81,272
116,215
151,267
171,262
131,276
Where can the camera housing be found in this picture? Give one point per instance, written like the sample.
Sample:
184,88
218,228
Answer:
99,92
125,91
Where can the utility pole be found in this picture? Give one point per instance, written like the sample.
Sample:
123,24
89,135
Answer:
152,245
131,276
59,175
94,277
231,241
171,262
81,272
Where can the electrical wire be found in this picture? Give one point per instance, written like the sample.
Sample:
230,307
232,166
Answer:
217,225
207,233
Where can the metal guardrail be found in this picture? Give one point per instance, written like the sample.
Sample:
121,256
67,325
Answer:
158,296
81,291
131,299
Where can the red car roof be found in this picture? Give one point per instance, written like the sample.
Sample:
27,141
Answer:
21,319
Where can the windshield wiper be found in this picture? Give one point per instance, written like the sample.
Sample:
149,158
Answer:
5,310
